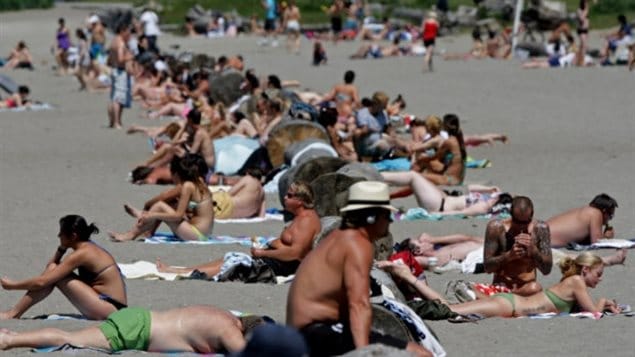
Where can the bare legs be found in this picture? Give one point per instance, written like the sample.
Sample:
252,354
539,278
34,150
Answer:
210,269
428,195
114,115
488,307
182,229
427,59
82,296
618,258
88,337
489,138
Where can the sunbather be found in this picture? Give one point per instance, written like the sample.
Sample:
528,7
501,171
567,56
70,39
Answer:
201,329
577,275
20,57
193,217
245,199
285,253
97,289
479,200
451,154
17,100
584,225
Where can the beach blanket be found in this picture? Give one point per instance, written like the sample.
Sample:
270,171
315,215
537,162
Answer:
267,217
58,317
145,270
35,107
234,269
415,324
603,244
75,350
403,164
170,238
421,213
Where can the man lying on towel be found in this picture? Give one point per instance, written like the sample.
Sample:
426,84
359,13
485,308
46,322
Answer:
285,253
200,329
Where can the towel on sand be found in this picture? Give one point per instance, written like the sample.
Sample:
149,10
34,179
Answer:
421,213
170,238
603,244
403,164
74,350
33,107
147,271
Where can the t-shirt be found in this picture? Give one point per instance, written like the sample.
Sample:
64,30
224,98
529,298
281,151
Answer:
374,124
271,9
150,22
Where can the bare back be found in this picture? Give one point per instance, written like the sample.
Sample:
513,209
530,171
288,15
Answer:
577,225
200,329
318,292
248,196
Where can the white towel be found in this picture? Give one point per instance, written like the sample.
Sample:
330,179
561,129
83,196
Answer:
147,271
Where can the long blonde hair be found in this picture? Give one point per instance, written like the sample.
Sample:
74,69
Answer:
570,267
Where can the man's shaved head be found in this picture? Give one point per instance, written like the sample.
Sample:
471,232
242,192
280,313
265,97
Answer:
522,206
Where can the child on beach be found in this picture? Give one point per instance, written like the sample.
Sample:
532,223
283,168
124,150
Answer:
96,290
16,100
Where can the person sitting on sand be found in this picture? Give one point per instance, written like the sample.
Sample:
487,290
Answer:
476,52
20,57
200,329
192,219
480,199
514,249
583,225
191,138
245,199
371,122
375,50
17,100
328,300
451,154
285,253
96,290
346,98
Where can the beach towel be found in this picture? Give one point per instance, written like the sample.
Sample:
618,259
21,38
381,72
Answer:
603,244
75,350
238,266
35,107
147,271
421,213
267,217
403,164
58,317
416,326
170,238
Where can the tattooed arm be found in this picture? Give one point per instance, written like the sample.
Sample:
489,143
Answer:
492,257
542,253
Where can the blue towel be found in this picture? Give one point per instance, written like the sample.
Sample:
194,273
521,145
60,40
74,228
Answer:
170,238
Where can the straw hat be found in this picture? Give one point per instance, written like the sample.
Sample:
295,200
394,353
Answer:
368,194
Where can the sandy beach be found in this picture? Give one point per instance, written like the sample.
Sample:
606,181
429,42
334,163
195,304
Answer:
570,131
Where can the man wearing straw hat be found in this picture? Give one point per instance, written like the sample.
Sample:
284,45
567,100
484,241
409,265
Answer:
329,300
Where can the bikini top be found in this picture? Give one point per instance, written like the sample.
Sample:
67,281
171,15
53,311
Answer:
192,205
560,304
88,276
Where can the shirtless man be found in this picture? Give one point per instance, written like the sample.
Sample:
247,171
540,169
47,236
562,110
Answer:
514,248
245,199
285,253
291,24
584,224
199,329
328,300
443,248
120,59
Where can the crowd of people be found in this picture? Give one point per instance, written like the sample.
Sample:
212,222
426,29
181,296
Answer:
328,308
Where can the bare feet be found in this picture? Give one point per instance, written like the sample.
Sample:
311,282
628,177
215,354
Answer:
165,268
618,258
120,237
161,266
6,315
135,213
5,336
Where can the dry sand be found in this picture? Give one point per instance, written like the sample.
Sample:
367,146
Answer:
571,136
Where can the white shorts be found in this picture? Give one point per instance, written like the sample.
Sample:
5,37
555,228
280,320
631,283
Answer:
293,26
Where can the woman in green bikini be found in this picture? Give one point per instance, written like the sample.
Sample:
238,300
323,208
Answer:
193,217
87,275
577,275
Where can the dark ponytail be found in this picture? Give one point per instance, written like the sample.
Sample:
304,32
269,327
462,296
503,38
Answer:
453,127
77,224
